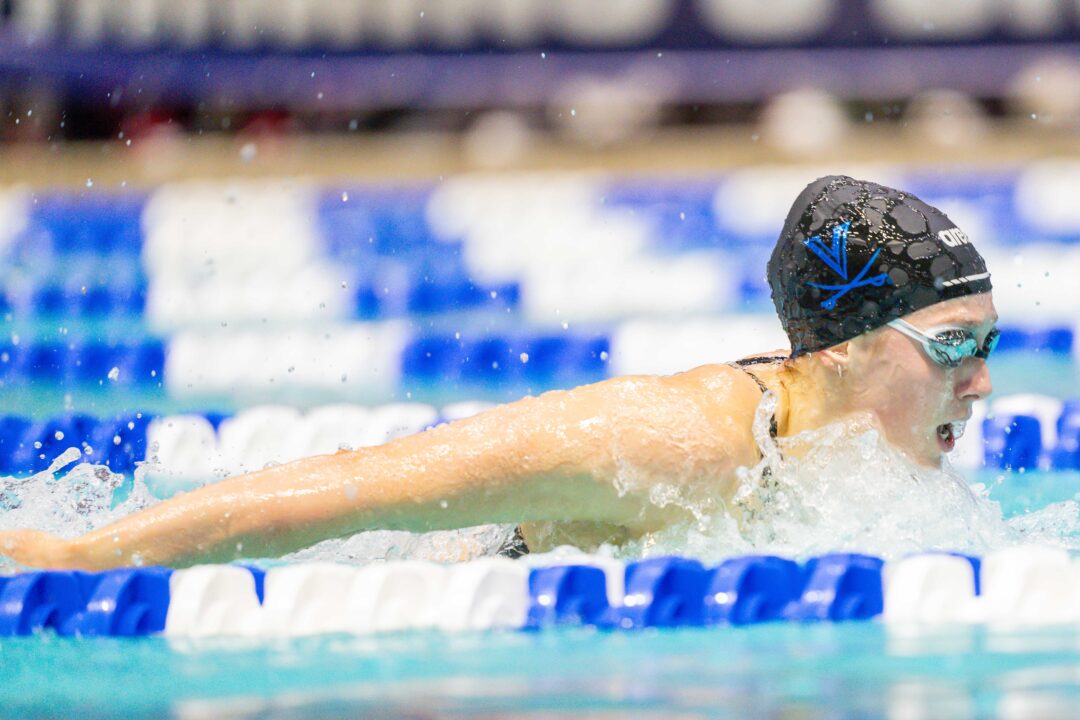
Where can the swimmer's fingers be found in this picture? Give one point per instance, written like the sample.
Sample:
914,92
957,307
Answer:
36,549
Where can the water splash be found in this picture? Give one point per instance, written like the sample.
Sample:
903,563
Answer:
842,487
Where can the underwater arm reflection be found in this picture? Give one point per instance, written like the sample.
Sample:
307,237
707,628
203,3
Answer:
546,458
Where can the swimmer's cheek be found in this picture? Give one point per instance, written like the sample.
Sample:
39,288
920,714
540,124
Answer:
36,549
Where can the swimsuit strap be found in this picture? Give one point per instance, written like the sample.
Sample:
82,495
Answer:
742,364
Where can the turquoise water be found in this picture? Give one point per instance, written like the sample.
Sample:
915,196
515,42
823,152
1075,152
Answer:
777,670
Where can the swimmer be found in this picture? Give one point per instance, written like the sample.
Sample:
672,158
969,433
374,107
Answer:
888,309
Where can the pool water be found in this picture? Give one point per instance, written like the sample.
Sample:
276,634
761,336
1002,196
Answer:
773,670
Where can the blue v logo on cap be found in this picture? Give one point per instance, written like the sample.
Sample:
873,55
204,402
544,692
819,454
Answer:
835,256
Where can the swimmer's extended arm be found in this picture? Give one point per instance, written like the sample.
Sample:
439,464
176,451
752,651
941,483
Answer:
593,454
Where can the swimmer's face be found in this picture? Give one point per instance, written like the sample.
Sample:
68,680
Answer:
916,401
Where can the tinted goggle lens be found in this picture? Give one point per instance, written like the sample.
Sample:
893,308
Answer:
950,347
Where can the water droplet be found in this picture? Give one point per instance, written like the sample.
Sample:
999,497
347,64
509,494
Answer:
493,294
248,152
524,357
37,444
89,182
443,504
344,197
58,435
573,112
603,355
116,440
114,373
543,56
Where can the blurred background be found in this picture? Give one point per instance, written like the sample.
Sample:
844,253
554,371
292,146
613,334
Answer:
240,231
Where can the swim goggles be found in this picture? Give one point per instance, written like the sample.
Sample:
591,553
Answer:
949,346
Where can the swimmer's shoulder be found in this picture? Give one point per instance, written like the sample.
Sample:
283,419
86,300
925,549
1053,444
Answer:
720,382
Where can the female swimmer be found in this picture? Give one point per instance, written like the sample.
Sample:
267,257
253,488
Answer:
888,309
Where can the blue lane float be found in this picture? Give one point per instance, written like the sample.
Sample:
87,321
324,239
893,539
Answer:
118,442
567,595
121,603
113,365
662,592
1012,442
841,586
753,589
1066,453
539,360
32,602
667,592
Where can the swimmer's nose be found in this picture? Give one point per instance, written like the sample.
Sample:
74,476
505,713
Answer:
977,384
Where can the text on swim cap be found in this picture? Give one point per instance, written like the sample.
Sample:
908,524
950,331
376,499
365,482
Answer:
954,237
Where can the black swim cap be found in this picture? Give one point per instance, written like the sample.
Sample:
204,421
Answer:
854,255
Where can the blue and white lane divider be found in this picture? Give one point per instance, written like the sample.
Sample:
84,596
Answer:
1019,586
179,366
1020,433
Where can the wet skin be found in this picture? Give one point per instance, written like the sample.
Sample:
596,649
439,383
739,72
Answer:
580,466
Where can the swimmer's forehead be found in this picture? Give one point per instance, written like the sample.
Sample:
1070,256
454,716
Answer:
964,318
970,312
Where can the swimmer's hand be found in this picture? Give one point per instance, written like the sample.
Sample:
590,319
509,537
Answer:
36,549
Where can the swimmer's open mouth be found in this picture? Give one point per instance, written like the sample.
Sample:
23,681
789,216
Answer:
948,433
